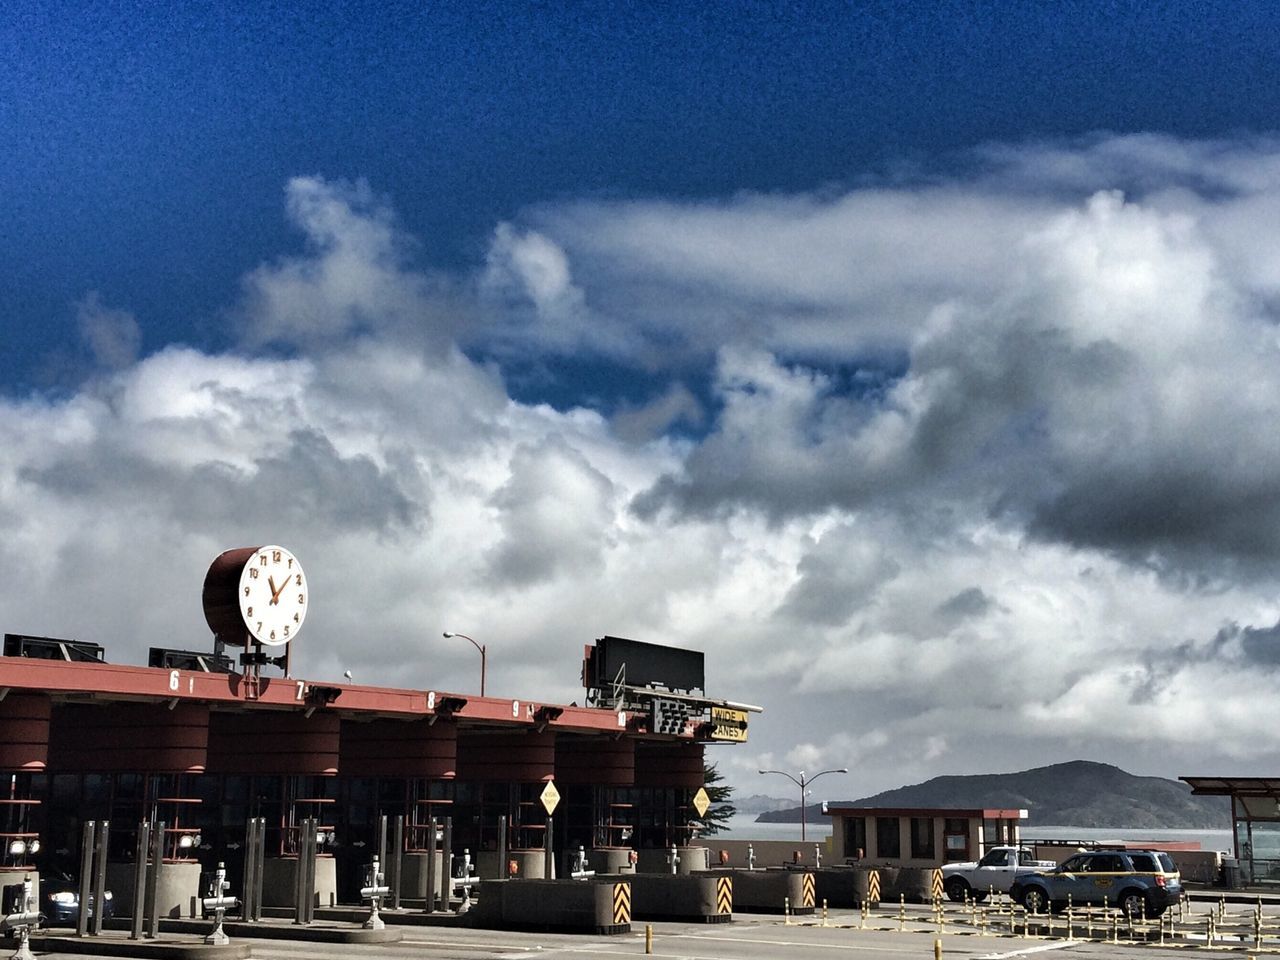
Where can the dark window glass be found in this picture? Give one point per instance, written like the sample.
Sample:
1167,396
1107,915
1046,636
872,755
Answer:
922,838
888,838
855,837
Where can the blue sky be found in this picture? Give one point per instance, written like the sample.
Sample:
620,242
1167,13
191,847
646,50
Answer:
146,147
887,353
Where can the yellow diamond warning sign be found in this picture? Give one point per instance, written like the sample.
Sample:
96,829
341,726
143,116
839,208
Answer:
701,801
550,797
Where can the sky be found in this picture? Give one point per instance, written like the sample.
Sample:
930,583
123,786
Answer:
918,363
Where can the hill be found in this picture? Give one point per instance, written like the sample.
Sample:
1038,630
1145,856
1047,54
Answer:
1079,794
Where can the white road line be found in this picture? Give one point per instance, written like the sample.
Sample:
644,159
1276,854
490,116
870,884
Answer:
1029,950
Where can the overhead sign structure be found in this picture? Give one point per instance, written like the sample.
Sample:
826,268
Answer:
550,797
701,801
728,724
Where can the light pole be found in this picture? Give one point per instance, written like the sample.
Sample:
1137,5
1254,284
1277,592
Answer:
478,646
803,783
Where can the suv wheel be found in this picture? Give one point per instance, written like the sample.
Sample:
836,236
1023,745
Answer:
1133,904
1035,900
956,889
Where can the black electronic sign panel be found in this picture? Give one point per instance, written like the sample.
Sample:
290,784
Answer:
640,664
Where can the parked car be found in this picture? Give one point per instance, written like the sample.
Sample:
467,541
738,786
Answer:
1138,882
997,870
60,900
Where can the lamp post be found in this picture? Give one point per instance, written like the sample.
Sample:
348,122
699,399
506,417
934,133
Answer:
478,646
803,782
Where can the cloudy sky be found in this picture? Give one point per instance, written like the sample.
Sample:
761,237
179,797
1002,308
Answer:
921,369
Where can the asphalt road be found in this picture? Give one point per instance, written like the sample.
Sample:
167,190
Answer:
747,938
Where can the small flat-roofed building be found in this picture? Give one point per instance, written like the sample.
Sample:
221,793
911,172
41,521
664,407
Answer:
919,836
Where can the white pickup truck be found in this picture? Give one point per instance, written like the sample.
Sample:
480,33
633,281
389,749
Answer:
995,871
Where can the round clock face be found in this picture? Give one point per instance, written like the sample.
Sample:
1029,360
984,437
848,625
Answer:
273,596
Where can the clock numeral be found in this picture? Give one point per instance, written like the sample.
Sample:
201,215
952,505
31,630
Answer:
249,612
291,563
273,634
298,580
286,630
262,560
301,598
253,573
297,618
275,556
246,591
259,630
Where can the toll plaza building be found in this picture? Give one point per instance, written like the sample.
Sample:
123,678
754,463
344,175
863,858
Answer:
917,836
196,749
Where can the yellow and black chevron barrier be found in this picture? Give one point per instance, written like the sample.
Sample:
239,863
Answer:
724,895
808,891
622,903
873,887
935,885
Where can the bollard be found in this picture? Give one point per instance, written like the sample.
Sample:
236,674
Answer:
786,911
902,912
648,938
937,950
817,857
751,856
824,911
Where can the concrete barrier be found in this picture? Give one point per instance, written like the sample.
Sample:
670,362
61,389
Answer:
847,886
914,884
177,888
772,891
601,905
699,896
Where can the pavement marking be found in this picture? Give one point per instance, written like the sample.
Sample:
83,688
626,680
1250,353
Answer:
806,944
1029,950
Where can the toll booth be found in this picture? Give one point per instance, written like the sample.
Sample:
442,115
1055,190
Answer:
919,837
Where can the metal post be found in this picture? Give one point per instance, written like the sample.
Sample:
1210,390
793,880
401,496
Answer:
86,874
549,865
311,871
249,885
99,877
382,839
396,865
433,884
140,880
446,865
153,879
504,868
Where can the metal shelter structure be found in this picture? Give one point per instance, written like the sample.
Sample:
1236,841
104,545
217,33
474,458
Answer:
1254,800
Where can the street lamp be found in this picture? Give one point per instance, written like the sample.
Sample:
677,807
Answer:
478,646
803,782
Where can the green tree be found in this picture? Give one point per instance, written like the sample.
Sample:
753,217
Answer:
720,794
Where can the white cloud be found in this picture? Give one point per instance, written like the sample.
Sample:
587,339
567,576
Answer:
982,473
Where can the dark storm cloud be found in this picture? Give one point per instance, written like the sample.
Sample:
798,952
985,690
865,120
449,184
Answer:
307,481
971,602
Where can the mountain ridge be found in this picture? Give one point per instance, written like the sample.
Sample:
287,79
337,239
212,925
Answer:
1079,793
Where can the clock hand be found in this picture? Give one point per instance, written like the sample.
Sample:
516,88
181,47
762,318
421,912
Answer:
275,594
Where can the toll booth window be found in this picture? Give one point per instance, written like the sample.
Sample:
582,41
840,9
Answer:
922,838
855,837
955,837
888,838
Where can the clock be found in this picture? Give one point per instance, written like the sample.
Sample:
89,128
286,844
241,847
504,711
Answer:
273,595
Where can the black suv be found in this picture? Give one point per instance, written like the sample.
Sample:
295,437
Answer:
1138,882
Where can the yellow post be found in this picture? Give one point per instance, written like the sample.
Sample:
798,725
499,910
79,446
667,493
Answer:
786,911
937,950
824,911
648,938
